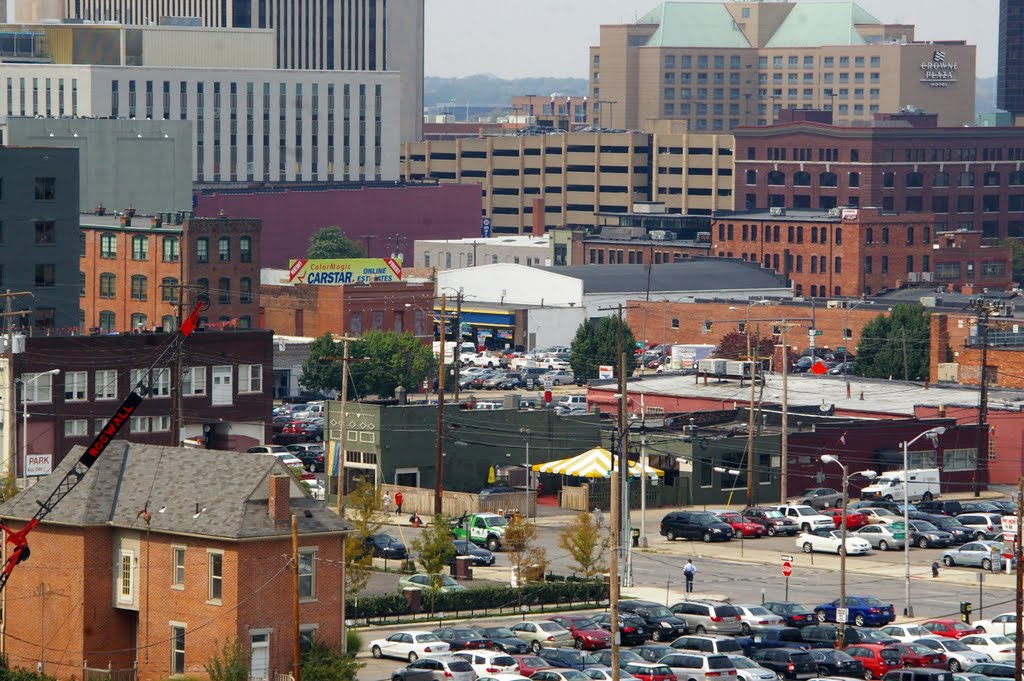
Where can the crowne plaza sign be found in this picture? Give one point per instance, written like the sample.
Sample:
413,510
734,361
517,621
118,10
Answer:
939,72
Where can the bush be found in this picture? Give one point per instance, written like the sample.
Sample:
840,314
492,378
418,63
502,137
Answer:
353,642
228,663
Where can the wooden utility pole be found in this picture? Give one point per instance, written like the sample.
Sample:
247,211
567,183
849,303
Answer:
984,308
177,396
784,462
750,426
618,455
296,643
457,352
342,453
439,435
1019,604
10,395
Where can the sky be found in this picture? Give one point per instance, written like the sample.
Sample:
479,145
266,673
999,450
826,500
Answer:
533,38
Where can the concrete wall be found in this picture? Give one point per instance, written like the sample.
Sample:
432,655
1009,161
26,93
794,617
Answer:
405,54
549,326
203,48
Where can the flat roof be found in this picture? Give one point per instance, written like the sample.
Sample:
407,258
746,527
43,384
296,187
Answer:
794,214
516,240
695,274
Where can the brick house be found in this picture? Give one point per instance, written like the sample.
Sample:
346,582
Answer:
133,268
209,561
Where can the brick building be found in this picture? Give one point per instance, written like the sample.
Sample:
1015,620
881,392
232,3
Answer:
853,252
226,395
133,269
968,177
312,310
160,592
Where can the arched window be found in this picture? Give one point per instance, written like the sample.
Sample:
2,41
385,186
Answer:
814,235
167,323
822,265
776,177
838,265
245,290
140,288
839,235
108,245
814,291
828,180
108,321
224,249
885,235
244,322
140,248
914,179
967,179
245,249
801,179
991,179
1016,177
910,235
138,321
940,179
108,285
169,290
171,252
203,249
224,290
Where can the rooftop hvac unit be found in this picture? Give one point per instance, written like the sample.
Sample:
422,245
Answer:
833,304
661,235
834,212
777,211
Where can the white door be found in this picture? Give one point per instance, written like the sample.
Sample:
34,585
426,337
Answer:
260,661
221,393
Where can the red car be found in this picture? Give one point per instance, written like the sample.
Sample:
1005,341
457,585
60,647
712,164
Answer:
587,633
876,658
528,665
854,520
917,655
650,671
742,525
950,628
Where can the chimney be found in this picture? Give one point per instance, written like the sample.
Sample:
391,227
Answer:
278,502
538,217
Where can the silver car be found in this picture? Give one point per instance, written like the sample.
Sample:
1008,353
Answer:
983,554
959,657
756,618
543,635
748,670
882,537
693,666
441,668
705,616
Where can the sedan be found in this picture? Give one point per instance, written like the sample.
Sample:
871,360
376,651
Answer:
917,655
999,648
927,536
993,670
883,537
854,519
424,581
841,369
819,497
383,545
605,674
1006,506
1005,623
652,652
876,658
836,663
632,630
983,554
586,633
905,632
480,556
559,377
877,515
528,665
445,668
958,656
543,635
625,656
503,639
831,541
560,675
743,527
748,670
462,638
409,645
756,617
794,614
863,611
948,628
567,657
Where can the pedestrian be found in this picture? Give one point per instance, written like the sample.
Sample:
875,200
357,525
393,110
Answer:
689,570
398,501
598,517
387,501
415,520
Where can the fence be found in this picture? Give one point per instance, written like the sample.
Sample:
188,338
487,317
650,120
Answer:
456,504
108,673
576,498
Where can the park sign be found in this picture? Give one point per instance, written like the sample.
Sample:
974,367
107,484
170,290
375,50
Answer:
343,271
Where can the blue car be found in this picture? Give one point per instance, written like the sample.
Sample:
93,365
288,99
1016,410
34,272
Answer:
863,611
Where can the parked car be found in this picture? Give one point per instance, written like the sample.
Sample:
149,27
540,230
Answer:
836,663
605,674
446,668
489,662
806,517
503,639
917,655
949,507
874,503
993,670
918,674
708,643
777,637
876,658
788,663
818,497
1000,648
831,541
268,449
983,554
310,454
1006,506
863,610
545,634
740,525
559,377
694,666
949,628
567,657
632,630
653,652
462,638
949,524
566,674
650,671
423,581
880,516
748,670
794,614
586,633
530,664
958,656
480,556
883,537
827,636
979,507
383,545
985,525
927,536
854,519
695,525
625,655
905,632
1005,623
757,617
704,616
842,369
774,521
662,623
409,645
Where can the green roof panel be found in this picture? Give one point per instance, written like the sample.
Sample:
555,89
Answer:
811,24
693,24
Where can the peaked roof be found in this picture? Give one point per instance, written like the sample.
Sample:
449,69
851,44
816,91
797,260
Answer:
593,463
810,24
229,489
693,24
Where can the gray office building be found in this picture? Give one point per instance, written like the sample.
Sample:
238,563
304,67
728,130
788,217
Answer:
40,242
1010,74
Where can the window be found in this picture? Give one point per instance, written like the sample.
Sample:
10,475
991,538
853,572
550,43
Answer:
45,233
245,249
193,381
867,264
140,248
177,650
108,321
940,179
947,270
105,383
224,290
202,249
125,588
307,574
250,378
169,290
888,179
76,427
46,188
910,236
108,285
838,268
885,235
245,290
46,275
108,246
178,567
224,249
138,320
966,179
885,264
854,179
159,381
839,235
37,387
216,586
171,249
76,385
140,287
960,459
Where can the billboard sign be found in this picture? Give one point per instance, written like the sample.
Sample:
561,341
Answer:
347,271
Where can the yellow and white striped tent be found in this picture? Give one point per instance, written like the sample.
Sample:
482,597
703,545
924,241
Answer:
594,463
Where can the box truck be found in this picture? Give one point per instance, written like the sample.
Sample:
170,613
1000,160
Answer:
923,483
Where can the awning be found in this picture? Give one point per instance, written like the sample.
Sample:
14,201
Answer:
595,463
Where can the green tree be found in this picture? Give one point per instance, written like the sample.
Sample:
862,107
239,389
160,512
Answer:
434,551
228,663
1017,248
365,511
319,662
587,545
895,346
528,562
598,343
393,359
321,370
330,243
733,345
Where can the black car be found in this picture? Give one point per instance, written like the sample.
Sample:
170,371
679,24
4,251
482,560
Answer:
462,638
383,545
794,614
917,674
695,525
878,503
467,548
961,534
826,636
652,652
632,630
950,507
927,536
980,507
568,658
993,670
777,637
662,623
503,639
1006,506
788,663
837,663
311,456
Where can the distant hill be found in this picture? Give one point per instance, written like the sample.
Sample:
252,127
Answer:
491,92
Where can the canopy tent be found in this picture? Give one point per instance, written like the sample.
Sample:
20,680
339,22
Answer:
595,463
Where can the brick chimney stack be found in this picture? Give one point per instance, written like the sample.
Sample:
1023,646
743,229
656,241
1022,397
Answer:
278,502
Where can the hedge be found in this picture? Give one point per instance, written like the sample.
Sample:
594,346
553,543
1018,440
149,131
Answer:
482,599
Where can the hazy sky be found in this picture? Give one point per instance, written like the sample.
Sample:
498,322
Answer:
550,37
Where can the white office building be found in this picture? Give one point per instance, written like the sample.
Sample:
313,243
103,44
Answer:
249,125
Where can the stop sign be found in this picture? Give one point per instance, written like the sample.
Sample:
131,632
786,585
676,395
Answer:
787,568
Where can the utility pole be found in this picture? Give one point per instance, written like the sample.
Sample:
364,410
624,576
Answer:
457,353
616,520
750,423
296,643
439,435
177,396
10,395
342,453
784,459
984,308
1019,604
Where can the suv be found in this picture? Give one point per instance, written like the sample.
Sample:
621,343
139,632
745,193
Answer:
918,675
940,506
694,666
664,625
695,525
774,521
788,663
807,517
705,616
985,525
827,635
709,644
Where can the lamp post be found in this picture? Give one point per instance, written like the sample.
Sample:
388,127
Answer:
24,421
529,473
933,433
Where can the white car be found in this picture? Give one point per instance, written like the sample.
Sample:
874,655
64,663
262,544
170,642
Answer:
1006,623
959,656
503,677
409,645
880,516
748,670
603,674
1000,648
489,662
905,633
806,517
830,541
756,618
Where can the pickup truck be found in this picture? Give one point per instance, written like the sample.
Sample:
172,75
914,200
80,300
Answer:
483,529
488,360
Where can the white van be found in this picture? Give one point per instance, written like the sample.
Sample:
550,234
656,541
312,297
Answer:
923,483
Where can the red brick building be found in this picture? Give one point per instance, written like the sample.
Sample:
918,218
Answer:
133,269
969,177
853,252
312,310
160,592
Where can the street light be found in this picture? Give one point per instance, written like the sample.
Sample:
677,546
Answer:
933,434
24,421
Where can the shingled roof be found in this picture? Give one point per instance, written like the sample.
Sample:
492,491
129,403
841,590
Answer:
229,490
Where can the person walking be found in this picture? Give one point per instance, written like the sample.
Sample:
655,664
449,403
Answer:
598,517
386,501
398,501
689,570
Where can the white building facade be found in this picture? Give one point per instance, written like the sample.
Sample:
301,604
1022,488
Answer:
249,125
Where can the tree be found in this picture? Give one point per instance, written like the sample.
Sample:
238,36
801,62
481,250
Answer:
587,544
329,243
366,514
733,345
528,562
320,371
435,552
394,359
320,663
598,343
228,663
1017,248
895,346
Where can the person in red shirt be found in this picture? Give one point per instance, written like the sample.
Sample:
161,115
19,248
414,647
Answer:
398,501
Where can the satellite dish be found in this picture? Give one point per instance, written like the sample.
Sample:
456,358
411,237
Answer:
825,408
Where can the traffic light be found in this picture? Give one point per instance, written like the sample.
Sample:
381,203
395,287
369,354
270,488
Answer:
965,611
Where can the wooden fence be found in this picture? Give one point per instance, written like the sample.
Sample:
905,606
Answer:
575,498
455,504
